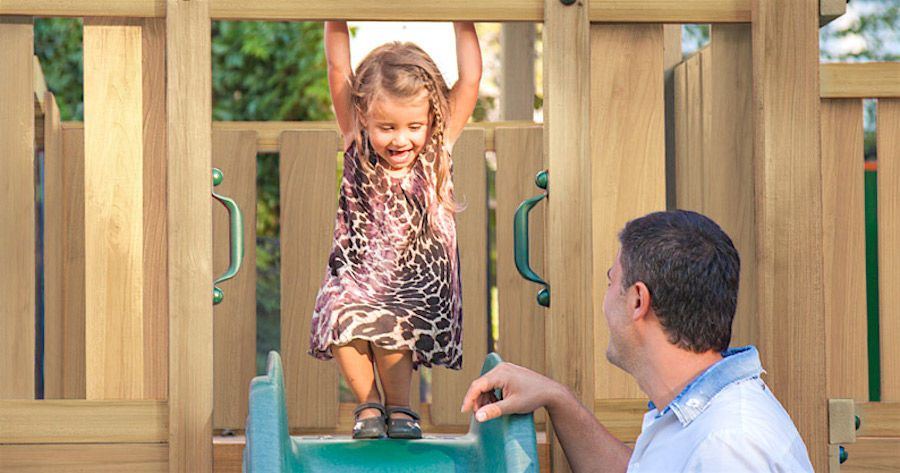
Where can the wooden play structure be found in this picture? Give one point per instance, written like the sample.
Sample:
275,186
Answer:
143,373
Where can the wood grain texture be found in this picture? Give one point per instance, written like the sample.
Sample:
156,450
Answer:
55,235
97,457
888,137
308,205
628,112
872,455
567,85
860,80
76,421
113,172
73,370
234,319
17,238
517,71
878,419
789,213
189,205
844,245
470,187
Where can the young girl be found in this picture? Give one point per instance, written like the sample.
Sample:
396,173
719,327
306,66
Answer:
391,299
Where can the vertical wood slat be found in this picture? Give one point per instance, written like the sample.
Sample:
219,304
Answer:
234,319
728,160
888,130
789,213
17,238
470,187
189,211
690,136
55,235
519,159
308,197
114,275
627,107
844,245
567,84
517,71
73,305
672,57
155,304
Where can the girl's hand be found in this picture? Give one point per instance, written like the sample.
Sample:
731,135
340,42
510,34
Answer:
464,93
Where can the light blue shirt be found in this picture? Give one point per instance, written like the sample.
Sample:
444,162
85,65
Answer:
726,420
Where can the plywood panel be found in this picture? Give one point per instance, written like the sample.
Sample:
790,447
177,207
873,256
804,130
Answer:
470,187
189,216
888,130
628,109
99,458
308,205
73,263
54,236
728,161
234,324
113,172
24,422
844,245
17,239
789,213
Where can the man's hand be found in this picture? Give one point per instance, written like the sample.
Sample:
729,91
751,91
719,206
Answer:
523,391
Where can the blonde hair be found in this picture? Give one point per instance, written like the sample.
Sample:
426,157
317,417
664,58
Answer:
403,71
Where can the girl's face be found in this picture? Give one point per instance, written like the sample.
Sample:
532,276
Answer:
398,129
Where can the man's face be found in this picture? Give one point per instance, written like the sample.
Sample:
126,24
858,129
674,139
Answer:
618,318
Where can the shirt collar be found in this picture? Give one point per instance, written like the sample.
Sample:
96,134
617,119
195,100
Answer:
737,364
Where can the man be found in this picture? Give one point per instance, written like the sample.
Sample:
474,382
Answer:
669,305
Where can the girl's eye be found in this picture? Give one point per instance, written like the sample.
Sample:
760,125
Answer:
415,127
385,128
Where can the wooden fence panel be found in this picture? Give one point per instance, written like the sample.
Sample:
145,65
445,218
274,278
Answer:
55,235
888,130
844,246
470,183
17,237
234,319
308,197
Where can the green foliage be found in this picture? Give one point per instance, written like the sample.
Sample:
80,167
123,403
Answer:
57,44
875,31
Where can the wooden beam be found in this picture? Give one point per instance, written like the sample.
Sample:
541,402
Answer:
77,421
94,457
189,184
888,144
17,237
872,454
567,152
878,419
829,10
860,80
789,214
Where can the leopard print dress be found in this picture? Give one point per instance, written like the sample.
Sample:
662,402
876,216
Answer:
393,274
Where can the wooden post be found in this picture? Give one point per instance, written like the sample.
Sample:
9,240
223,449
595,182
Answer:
888,127
789,213
17,209
570,324
517,71
189,184
672,56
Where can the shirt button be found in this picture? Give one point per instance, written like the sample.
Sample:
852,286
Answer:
693,403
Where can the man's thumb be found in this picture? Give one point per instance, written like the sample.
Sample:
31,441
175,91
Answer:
491,411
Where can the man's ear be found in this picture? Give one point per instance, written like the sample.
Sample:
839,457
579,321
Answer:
639,301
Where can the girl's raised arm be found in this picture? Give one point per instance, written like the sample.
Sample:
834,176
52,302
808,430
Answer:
464,93
337,54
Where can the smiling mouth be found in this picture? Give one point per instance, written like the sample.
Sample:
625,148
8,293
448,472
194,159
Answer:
399,153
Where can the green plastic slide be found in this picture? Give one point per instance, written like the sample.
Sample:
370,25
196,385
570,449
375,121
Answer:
506,444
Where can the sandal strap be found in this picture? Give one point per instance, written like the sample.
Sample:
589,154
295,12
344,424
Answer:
368,405
402,410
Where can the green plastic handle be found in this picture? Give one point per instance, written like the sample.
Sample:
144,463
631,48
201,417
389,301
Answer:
520,239
236,235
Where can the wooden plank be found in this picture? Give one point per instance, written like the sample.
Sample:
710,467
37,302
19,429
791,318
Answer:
878,419
628,95
860,80
234,324
622,417
470,188
789,214
888,131
844,246
73,421
156,302
113,172
670,11
17,238
55,234
99,458
308,206
728,161
689,164
73,369
189,187
570,324
517,71
831,9
871,455
672,57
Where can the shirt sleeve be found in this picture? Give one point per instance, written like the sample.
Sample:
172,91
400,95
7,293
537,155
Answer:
736,452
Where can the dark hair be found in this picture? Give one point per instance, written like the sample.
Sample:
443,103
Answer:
692,271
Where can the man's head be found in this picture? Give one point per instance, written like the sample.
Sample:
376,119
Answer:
677,272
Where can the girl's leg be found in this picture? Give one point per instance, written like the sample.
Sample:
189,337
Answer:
395,370
355,360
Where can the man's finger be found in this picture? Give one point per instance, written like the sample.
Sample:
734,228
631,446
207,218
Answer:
479,386
491,411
